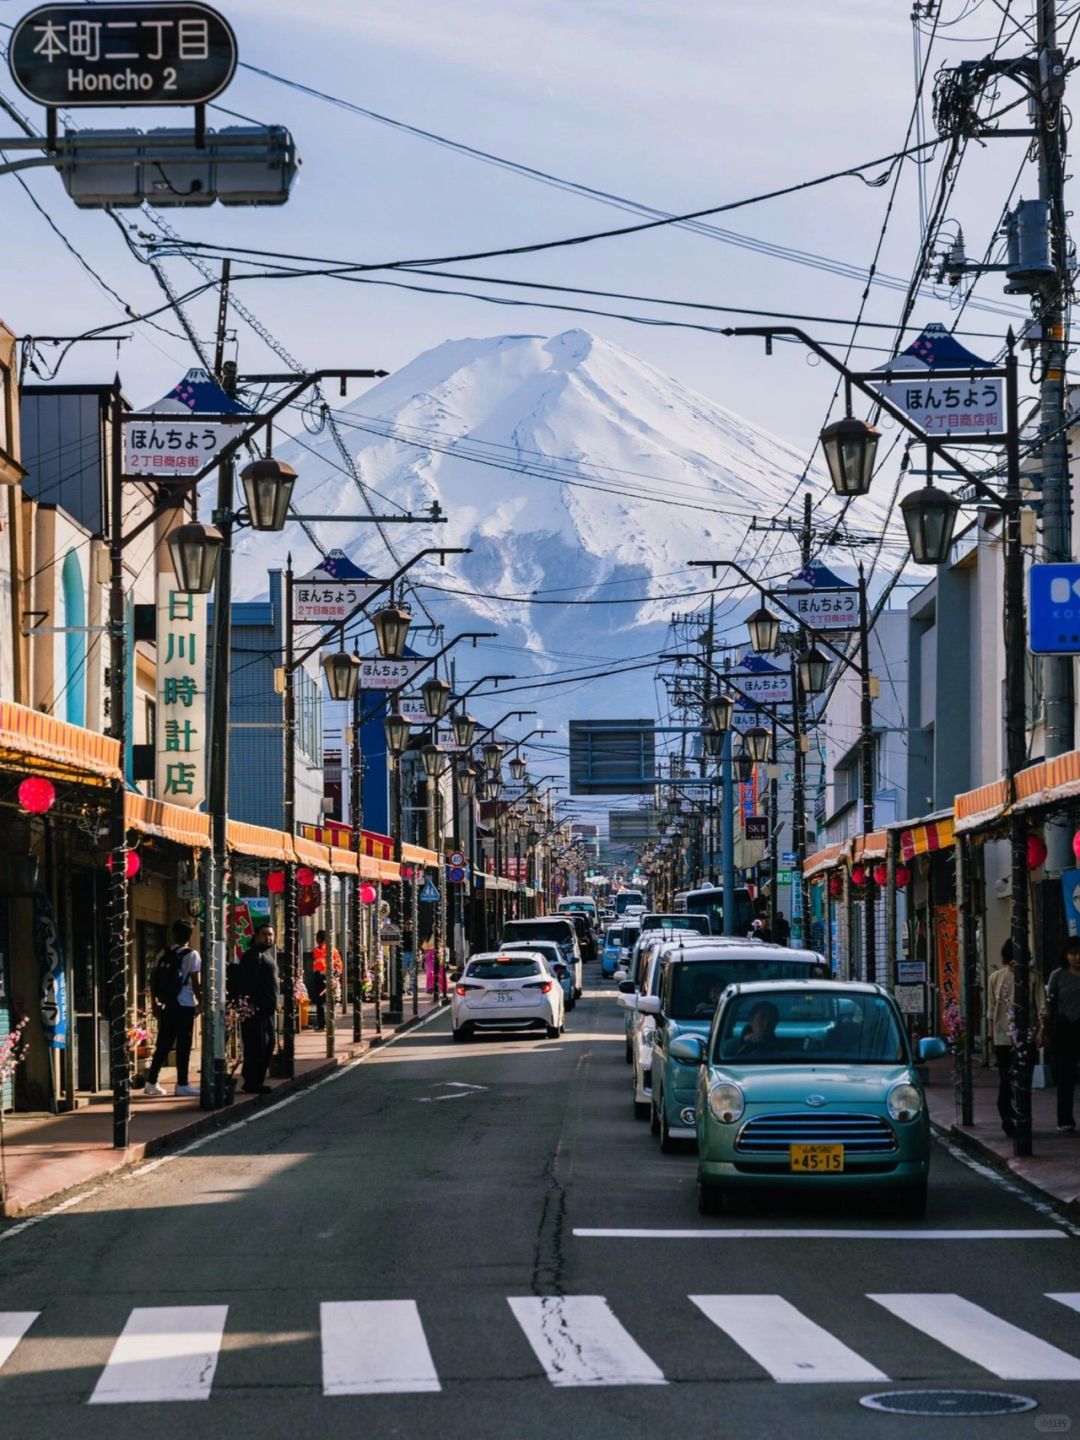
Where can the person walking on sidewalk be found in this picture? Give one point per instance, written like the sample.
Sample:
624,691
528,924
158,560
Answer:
254,978
1063,1030
320,980
999,1009
176,991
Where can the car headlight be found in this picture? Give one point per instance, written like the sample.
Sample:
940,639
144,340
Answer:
905,1102
726,1102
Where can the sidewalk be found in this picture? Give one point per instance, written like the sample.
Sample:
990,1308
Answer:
48,1155
1054,1168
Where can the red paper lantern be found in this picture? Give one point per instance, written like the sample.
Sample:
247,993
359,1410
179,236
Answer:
275,882
133,866
903,876
858,874
36,794
881,874
406,872
1076,844
367,894
305,876
310,898
836,886
1036,851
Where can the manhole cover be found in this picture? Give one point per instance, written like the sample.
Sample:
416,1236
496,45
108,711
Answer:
948,1402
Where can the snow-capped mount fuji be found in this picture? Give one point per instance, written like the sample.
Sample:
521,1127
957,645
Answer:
574,471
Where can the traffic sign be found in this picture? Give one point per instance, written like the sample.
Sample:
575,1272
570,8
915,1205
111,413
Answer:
456,858
429,893
1054,609
788,857
456,874
147,54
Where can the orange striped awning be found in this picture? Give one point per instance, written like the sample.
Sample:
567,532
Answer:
307,852
922,839
258,842
167,822
870,847
417,855
1049,781
825,859
342,861
980,807
27,737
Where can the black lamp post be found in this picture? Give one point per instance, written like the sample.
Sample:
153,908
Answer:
764,628
195,548
929,518
268,486
850,447
813,671
436,695
719,709
342,672
391,625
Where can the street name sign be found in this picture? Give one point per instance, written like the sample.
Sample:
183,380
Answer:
771,687
332,591
147,54
156,447
1054,609
821,600
379,674
968,405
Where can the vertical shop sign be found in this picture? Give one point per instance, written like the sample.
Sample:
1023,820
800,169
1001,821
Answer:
948,967
181,695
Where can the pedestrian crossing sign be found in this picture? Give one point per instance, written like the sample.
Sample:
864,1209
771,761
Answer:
429,894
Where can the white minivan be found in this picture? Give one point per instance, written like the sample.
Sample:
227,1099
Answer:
584,905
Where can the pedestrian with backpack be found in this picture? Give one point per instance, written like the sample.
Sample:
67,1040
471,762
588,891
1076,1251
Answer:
176,991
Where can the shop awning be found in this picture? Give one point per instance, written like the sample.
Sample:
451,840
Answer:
826,859
1049,782
417,855
63,751
167,822
870,847
389,870
978,808
257,842
927,836
342,861
309,853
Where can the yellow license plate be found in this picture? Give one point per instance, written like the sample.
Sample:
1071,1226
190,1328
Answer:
817,1159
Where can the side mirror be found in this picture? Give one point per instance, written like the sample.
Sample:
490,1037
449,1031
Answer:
626,987
648,1004
620,975
455,975
690,1049
931,1048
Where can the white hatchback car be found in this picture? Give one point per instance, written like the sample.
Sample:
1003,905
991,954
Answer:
507,990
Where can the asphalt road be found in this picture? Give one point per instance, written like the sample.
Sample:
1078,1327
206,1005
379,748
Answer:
253,1274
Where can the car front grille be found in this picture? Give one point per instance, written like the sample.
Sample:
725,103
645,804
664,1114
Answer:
772,1134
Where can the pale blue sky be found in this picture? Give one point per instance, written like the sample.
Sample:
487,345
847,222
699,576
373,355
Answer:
677,104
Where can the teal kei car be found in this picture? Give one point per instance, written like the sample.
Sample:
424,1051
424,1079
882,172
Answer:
691,978
809,1086
611,955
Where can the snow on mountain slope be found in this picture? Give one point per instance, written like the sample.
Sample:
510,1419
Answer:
568,465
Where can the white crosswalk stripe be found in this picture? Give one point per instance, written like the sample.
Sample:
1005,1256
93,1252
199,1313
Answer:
13,1326
783,1341
982,1337
165,1353
375,1347
578,1341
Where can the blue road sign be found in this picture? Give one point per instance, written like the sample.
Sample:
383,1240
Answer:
429,894
1054,609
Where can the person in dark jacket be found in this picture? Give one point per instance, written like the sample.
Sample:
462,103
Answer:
254,978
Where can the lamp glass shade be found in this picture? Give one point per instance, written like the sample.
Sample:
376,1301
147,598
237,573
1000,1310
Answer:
719,708
268,486
431,755
493,755
850,448
391,625
764,628
758,742
929,518
464,727
813,671
490,787
713,741
744,767
342,672
195,548
436,695
466,781
396,730
518,768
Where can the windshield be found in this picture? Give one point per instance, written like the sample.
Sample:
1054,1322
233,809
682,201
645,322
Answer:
628,897
699,924
547,948
586,907
697,985
711,903
557,930
807,1027
612,937
503,969
630,935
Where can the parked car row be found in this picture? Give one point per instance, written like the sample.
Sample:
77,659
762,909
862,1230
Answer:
779,1076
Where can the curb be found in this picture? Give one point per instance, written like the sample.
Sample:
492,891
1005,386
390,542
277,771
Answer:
211,1120
972,1145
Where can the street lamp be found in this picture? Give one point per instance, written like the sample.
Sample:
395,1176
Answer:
744,767
518,768
396,729
713,741
813,671
195,549
719,709
493,755
464,727
930,517
490,787
850,447
431,755
342,674
391,625
466,782
436,695
268,486
758,742
764,629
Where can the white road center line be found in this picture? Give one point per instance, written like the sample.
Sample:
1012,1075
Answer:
375,1347
783,1341
578,1341
163,1353
980,1336
13,1326
799,1234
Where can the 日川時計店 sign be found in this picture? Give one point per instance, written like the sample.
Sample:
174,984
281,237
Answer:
166,447
180,721
158,53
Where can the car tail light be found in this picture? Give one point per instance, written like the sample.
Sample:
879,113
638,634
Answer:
546,986
462,989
